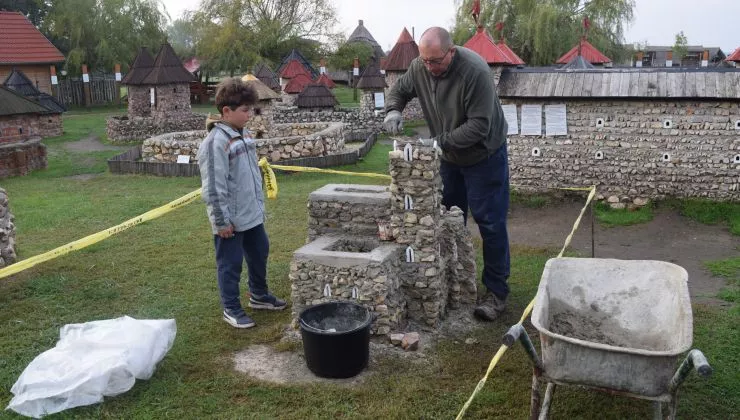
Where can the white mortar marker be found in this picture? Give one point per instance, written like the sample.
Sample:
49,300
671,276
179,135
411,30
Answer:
408,202
327,290
410,255
536,152
408,153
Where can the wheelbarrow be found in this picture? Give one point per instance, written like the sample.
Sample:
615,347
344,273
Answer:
613,325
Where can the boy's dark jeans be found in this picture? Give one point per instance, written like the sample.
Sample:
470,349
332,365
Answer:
484,188
251,245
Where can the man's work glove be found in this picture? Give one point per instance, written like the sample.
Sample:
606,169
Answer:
393,122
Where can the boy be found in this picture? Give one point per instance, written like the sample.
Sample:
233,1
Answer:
232,190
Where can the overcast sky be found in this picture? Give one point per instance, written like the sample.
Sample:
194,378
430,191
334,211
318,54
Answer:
712,23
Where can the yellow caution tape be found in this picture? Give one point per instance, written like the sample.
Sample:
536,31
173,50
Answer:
530,306
97,237
271,182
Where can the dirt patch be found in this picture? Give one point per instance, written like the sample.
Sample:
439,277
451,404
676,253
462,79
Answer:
571,324
265,363
668,237
82,177
90,144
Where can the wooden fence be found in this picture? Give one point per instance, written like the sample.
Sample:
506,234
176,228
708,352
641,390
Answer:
130,163
70,91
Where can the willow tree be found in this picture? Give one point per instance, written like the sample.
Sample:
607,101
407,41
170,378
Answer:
235,33
101,33
540,31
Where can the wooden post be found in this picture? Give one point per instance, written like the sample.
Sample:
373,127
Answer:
638,61
355,77
705,59
322,69
54,82
86,86
669,59
117,93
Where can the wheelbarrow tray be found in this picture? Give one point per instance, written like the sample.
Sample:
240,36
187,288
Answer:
619,325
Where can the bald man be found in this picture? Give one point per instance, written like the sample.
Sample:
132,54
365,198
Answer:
459,101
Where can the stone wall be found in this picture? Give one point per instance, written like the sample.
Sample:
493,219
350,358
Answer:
7,231
427,266
413,109
16,128
139,101
171,102
349,269
353,119
301,140
22,158
124,128
635,150
348,209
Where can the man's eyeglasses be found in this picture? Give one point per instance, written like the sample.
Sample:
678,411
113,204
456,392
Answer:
435,61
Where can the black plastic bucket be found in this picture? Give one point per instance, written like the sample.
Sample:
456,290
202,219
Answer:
336,338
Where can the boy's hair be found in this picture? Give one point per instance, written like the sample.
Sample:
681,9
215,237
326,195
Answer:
233,92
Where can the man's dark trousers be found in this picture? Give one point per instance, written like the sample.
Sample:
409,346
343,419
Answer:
484,188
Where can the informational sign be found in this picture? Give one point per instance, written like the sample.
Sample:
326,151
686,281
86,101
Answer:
531,120
556,123
183,158
356,71
379,100
511,119
54,80
85,78
118,77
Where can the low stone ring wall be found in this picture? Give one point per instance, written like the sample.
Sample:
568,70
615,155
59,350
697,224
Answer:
299,140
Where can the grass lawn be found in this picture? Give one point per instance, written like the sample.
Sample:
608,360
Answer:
165,269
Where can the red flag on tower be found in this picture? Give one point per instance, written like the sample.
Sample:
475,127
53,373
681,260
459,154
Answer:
476,10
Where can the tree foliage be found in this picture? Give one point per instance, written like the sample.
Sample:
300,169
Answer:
101,33
540,31
344,55
34,10
680,47
234,34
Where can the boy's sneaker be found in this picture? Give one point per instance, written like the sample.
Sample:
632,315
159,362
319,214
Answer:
240,320
267,301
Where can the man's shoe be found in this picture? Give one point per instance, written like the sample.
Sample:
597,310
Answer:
267,301
238,320
490,307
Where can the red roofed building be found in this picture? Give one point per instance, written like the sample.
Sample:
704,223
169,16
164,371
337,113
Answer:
294,87
587,51
23,47
482,43
734,57
396,64
511,55
326,81
291,70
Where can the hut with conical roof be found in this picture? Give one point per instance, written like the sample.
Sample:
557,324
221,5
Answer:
297,56
291,70
294,87
267,76
158,98
372,83
361,34
261,122
396,64
326,81
169,86
316,97
139,103
590,53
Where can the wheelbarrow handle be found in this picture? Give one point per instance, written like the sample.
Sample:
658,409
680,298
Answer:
695,359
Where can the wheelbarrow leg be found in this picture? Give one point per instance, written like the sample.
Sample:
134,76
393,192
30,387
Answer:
534,405
518,333
547,401
657,410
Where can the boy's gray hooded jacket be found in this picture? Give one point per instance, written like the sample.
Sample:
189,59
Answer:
231,180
